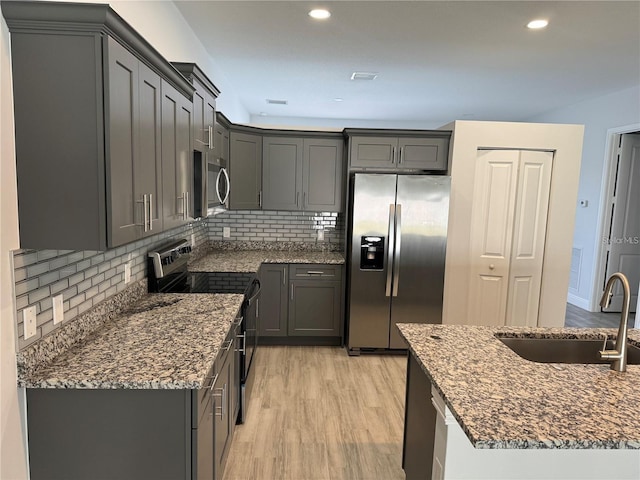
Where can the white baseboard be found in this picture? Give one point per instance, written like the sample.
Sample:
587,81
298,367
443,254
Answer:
583,303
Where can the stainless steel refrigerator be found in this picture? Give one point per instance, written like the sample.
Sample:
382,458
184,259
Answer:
398,226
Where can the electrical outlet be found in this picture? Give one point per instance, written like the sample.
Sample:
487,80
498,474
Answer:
29,319
58,309
127,273
193,240
321,235
226,232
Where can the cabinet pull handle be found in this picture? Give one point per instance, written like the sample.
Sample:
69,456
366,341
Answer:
257,308
210,132
260,198
304,200
186,194
220,395
229,343
242,336
284,277
393,155
145,206
297,199
213,382
150,211
314,272
400,161
292,291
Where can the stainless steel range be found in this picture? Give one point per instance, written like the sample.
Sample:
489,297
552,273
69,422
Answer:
168,273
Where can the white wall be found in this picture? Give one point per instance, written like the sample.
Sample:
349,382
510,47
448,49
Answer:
162,25
13,460
597,115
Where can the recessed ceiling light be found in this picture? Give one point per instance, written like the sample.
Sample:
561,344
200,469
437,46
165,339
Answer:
320,14
536,24
364,76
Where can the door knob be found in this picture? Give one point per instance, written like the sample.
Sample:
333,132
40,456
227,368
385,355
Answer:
492,266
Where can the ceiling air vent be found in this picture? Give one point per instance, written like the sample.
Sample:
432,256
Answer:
271,101
363,76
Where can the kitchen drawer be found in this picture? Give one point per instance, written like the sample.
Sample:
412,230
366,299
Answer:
310,270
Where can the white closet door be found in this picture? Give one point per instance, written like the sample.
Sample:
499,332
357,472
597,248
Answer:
525,272
509,216
491,234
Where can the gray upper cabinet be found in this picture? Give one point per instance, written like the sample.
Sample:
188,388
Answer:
87,126
282,173
134,147
177,161
428,152
204,107
245,171
323,175
302,174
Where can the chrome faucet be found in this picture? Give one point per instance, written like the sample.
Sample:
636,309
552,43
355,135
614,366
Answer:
619,355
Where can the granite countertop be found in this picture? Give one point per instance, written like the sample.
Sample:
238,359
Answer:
504,401
250,260
163,341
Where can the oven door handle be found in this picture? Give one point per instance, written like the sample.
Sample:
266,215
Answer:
257,292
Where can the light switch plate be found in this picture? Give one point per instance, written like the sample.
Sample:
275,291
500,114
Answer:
226,232
321,235
29,318
127,273
58,309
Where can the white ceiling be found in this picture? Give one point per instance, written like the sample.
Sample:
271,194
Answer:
437,60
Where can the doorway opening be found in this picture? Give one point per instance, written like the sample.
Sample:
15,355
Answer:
619,245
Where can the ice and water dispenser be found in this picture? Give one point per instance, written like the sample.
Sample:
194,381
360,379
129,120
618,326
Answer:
371,253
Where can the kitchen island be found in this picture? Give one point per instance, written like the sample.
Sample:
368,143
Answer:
475,409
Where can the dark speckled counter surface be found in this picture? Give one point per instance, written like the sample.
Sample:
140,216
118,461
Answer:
162,341
504,401
250,260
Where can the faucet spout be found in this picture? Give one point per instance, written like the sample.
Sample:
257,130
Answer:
619,355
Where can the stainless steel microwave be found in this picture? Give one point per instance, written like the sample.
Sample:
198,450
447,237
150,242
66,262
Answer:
211,185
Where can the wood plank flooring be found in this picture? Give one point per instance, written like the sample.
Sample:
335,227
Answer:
577,317
317,413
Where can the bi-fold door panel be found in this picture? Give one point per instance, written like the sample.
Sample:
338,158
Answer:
511,196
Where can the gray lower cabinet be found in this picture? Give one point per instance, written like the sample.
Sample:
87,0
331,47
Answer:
273,306
429,152
301,304
302,174
87,126
419,424
133,434
245,170
177,164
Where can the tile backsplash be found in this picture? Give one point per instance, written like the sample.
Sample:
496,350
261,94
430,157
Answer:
278,226
84,278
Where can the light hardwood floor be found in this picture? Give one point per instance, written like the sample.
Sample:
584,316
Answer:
577,317
317,413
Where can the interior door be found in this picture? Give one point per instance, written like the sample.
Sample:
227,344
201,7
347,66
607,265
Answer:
511,197
527,252
491,231
624,239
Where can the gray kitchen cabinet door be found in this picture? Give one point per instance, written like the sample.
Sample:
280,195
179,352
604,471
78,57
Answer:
323,178
221,412
373,152
124,211
314,308
282,173
198,134
245,171
423,153
273,300
176,157
205,459
148,174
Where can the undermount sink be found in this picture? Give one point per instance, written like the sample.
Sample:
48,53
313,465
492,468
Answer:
565,350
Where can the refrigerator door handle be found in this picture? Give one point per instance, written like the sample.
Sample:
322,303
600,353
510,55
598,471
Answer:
391,237
396,260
